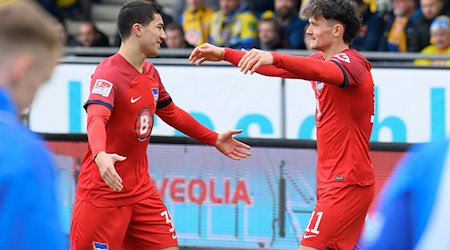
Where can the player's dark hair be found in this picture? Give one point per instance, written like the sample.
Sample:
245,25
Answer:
342,11
141,12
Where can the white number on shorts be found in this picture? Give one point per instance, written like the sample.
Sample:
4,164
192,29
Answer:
169,221
314,230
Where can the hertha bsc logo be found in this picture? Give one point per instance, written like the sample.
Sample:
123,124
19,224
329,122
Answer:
144,124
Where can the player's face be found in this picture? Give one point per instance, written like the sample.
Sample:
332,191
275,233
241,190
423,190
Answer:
153,35
320,33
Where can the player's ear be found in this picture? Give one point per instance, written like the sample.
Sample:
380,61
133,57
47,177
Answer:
338,30
136,28
21,67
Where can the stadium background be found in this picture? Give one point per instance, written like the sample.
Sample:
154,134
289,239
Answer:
260,202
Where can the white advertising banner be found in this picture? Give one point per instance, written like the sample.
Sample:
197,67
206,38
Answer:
410,103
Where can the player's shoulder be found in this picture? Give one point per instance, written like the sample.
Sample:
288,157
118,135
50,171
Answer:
352,57
151,71
109,69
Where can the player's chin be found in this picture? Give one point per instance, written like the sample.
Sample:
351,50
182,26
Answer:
153,52
313,45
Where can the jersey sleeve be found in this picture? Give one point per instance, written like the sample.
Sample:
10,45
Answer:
184,122
98,117
353,66
102,89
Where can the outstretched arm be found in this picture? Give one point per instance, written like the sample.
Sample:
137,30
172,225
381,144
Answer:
184,122
297,66
208,52
271,63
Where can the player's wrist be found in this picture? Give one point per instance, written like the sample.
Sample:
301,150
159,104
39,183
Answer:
222,53
99,155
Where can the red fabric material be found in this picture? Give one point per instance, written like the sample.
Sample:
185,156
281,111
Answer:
184,122
98,116
295,67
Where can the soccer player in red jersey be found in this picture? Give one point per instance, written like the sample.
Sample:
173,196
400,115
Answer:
344,92
117,206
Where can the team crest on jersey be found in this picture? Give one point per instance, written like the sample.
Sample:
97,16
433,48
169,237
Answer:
155,92
342,57
102,87
319,85
100,246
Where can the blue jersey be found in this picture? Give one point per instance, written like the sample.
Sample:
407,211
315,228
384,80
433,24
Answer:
413,211
28,206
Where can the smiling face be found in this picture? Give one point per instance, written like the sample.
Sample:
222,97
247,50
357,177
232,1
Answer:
320,33
152,35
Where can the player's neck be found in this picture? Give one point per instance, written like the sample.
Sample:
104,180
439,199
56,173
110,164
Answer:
133,55
334,49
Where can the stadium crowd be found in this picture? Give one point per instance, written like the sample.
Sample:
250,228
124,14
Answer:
387,25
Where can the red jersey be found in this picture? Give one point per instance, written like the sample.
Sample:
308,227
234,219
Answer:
133,98
344,111
344,119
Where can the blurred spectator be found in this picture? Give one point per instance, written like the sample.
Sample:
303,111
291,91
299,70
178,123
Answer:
412,210
371,30
195,21
175,37
60,8
269,35
291,26
419,36
395,38
90,36
440,42
181,5
66,38
233,27
258,7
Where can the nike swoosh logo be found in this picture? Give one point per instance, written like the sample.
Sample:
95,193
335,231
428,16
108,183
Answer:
309,236
133,100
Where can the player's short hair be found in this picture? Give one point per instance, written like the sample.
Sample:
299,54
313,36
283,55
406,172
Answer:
141,12
342,11
26,26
